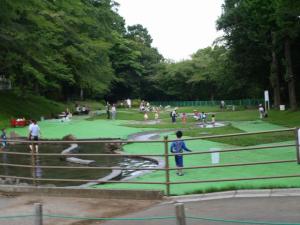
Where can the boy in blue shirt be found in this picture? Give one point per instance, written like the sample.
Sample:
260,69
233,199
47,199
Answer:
3,139
178,146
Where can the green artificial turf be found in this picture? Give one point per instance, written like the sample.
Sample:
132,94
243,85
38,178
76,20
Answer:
81,128
284,153
239,121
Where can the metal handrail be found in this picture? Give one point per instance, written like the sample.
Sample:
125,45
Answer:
166,155
136,168
141,141
152,155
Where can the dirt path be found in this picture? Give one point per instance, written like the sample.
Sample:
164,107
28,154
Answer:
80,207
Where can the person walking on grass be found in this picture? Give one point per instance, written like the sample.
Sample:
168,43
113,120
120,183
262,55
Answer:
177,147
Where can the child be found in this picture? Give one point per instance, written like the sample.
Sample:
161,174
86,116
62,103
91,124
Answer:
203,117
3,137
183,118
156,115
261,110
213,120
178,146
146,116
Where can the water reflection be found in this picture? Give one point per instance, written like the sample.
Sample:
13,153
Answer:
36,170
5,161
40,160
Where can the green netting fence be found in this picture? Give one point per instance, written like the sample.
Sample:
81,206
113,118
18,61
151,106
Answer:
239,102
161,218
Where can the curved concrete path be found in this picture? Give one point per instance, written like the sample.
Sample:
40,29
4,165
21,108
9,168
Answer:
279,206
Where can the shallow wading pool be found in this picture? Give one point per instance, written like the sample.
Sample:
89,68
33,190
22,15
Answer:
92,174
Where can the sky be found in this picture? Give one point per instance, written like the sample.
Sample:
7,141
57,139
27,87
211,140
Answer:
178,27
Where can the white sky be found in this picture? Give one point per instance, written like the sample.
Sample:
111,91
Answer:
178,27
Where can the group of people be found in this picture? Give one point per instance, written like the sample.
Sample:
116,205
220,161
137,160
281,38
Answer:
198,116
111,111
145,106
65,116
34,133
81,109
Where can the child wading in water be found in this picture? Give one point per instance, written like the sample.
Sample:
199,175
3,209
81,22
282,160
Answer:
178,146
3,139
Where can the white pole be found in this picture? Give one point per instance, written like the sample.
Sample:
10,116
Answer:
38,211
180,215
298,144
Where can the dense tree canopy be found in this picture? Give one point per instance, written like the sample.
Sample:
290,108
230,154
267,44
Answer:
71,48
81,49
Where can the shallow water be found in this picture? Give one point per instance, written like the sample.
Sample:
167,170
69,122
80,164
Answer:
38,172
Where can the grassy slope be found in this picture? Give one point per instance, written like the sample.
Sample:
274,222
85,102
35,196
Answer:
13,106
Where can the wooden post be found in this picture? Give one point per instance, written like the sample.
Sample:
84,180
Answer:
180,214
38,211
167,166
298,144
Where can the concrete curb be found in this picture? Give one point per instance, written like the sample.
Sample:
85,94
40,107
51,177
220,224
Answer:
287,192
84,193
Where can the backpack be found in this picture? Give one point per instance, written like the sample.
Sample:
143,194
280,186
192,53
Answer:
171,113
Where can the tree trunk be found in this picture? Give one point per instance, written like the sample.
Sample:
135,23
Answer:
274,75
290,78
81,94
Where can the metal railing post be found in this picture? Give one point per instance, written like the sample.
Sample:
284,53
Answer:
167,166
298,144
180,214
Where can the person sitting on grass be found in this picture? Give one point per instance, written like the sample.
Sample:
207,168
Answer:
177,147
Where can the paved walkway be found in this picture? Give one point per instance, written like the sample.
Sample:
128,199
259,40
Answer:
280,206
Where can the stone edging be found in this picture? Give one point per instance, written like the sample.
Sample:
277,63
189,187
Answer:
84,193
285,192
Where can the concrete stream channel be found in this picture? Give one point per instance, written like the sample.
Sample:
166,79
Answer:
77,161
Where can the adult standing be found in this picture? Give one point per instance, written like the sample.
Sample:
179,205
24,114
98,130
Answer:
107,107
174,115
34,134
113,112
222,105
128,103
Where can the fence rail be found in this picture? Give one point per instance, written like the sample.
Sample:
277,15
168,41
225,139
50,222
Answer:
165,156
239,102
